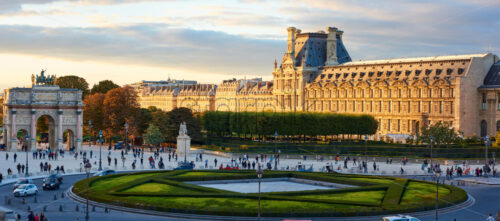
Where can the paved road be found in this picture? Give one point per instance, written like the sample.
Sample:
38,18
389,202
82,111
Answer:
487,201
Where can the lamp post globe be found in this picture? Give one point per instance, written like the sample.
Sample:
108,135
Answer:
276,150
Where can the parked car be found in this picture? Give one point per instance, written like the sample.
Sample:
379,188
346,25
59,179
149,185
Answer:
185,166
51,183
400,218
57,176
104,173
25,190
21,182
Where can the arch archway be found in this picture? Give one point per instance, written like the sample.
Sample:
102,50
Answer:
484,128
22,139
46,132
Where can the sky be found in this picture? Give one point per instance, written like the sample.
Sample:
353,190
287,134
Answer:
206,40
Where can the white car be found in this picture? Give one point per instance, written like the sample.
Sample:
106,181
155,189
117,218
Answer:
400,218
26,190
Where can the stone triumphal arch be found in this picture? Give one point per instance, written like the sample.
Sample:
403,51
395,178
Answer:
60,108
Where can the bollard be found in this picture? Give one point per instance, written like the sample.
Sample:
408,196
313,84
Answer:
55,196
93,208
62,195
77,208
61,208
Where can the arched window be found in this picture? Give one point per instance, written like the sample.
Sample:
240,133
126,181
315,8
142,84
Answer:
484,128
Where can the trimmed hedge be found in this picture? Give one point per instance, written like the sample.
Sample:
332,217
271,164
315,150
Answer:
312,206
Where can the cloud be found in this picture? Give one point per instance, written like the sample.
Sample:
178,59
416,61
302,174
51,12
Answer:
146,44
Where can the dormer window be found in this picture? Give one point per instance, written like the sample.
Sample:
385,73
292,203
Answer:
408,72
398,73
388,73
380,73
346,75
428,71
370,74
449,71
330,76
438,71
461,71
337,76
417,72
353,75
362,74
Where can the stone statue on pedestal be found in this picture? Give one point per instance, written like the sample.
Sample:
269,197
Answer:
183,141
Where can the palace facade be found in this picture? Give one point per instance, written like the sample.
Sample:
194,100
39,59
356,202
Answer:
316,74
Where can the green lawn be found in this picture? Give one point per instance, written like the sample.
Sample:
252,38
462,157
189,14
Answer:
419,192
374,196
104,184
160,188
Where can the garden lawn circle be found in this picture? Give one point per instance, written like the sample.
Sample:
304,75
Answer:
169,191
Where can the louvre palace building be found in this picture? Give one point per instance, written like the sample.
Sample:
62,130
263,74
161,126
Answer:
317,74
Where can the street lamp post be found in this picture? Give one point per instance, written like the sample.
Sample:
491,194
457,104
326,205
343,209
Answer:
259,175
437,173
275,150
27,138
100,146
366,148
486,139
126,137
88,166
432,140
90,135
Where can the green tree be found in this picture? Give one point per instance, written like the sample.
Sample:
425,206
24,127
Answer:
153,136
72,81
442,133
176,117
120,106
103,87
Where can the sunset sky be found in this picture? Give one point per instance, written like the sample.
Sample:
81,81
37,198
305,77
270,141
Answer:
208,41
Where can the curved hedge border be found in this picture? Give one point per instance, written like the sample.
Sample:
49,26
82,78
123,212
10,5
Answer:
390,204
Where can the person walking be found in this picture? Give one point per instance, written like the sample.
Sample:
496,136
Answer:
490,218
15,157
1,177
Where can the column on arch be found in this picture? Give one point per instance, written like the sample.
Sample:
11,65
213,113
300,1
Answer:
13,132
59,129
79,131
32,145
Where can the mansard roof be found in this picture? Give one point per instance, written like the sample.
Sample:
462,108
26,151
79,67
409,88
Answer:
423,68
492,79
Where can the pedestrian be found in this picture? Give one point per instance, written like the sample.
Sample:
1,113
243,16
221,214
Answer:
1,177
31,216
37,218
43,217
490,218
116,162
215,162
497,217
15,157
6,156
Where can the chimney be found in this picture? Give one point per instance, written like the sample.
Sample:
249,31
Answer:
292,32
331,46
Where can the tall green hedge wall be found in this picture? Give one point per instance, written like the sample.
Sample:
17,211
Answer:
287,123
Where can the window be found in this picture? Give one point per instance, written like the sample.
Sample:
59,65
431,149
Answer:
483,101
498,101
440,107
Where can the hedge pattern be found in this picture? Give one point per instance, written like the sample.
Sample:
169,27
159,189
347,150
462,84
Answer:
394,190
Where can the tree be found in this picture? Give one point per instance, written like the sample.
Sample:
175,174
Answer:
176,117
72,81
153,135
120,107
93,110
103,87
442,133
